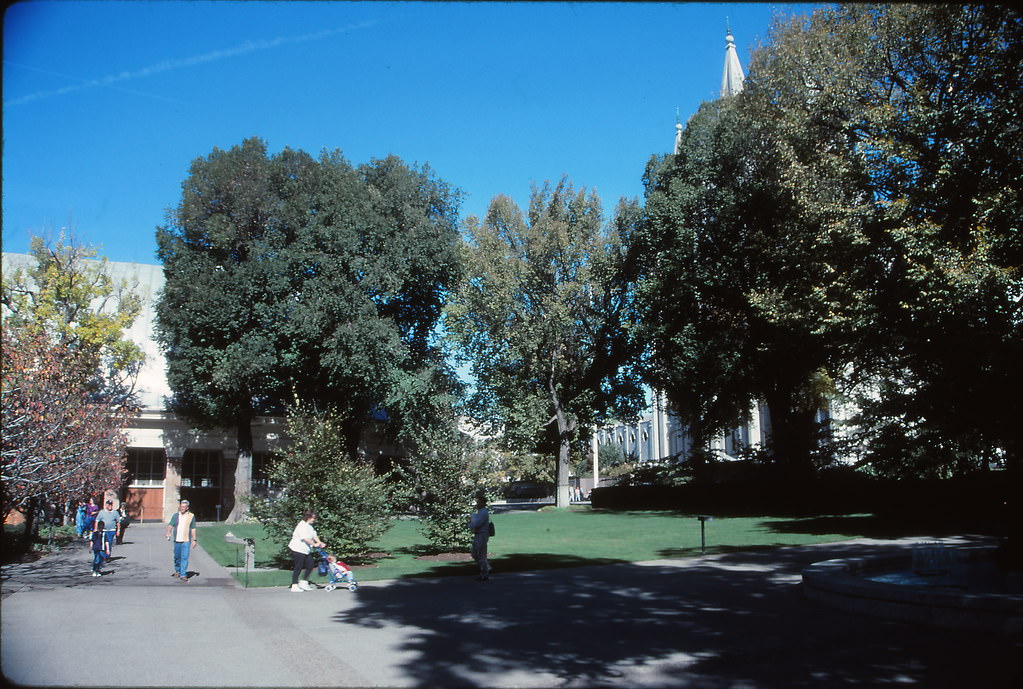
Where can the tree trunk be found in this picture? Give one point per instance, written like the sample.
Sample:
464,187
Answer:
242,489
698,451
351,429
566,431
1012,548
564,497
792,432
30,525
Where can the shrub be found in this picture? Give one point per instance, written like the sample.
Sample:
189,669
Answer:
315,472
443,479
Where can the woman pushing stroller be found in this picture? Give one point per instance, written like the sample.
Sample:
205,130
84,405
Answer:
303,540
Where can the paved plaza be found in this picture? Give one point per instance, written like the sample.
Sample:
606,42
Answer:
735,620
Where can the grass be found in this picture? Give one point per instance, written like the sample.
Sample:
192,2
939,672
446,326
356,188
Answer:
549,539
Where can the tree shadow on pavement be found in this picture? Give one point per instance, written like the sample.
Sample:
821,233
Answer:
513,562
733,620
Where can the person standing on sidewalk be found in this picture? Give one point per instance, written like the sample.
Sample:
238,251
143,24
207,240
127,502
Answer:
122,522
303,540
90,516
80,519
182,527
110,519
479,524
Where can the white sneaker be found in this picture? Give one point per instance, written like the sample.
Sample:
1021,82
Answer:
295,588
306,586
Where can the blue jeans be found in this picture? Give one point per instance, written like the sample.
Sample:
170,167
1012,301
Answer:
97,560
108,536
181,550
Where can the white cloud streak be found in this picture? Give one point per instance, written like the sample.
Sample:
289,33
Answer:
245,48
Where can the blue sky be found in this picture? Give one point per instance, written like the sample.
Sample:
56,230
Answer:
105,104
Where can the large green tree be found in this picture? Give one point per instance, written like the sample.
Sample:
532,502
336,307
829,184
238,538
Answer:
928,102
741,280
293,275
219,316
544,316
884,144
376,263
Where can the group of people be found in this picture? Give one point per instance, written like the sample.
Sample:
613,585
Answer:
304,539
102,527
87,515
106,526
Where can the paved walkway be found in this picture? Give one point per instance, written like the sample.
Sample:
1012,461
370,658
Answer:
735,620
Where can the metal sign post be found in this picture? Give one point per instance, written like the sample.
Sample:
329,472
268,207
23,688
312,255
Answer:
703,536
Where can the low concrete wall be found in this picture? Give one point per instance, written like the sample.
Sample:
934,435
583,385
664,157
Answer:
843,584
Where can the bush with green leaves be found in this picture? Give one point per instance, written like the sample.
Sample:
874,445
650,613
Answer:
352,503
445,475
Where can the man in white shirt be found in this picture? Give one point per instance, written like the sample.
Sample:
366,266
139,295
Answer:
182,525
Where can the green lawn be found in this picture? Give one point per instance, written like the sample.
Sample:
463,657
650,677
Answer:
552,539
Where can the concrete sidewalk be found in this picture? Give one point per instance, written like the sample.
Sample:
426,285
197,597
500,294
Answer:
145,558
732,620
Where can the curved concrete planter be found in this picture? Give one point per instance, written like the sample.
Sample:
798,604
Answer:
843,584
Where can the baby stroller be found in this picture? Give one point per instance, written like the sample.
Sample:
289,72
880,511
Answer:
337,572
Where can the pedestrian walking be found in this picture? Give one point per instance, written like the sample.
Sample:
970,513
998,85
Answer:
90,516
303,540
182,527
109,517
122,522
100,550
80,519
479,524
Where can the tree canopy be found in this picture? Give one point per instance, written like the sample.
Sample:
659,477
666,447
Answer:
68,376
925,101
744,279
288,275
544,316
849,223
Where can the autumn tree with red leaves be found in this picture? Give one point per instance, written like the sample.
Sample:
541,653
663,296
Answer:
68,378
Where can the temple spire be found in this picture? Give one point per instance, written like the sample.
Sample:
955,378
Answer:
731,80
678,131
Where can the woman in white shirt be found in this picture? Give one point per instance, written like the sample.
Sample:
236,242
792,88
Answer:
303,540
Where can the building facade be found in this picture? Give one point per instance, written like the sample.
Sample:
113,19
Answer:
166,459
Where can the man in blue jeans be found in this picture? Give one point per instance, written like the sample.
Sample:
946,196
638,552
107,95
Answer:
110,519
182,527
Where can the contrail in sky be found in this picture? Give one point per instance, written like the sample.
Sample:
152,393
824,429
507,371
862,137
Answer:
171,65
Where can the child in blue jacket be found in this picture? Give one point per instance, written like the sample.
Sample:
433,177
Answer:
100,550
